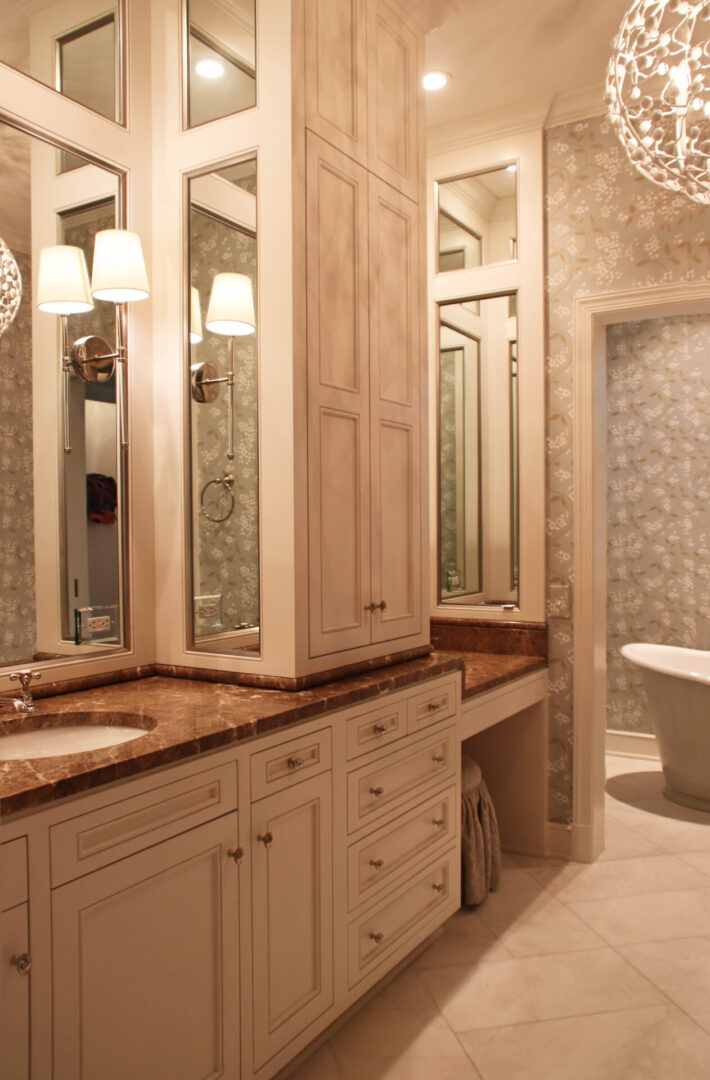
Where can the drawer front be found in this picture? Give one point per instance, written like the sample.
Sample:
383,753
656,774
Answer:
13,873
378,860
103,836
380,932
288,763
377,728
438,703
391,781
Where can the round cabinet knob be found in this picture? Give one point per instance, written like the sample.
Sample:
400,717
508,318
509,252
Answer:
379,729
434,706
438,759
377,938
382,605
371,607
377,864
377,791
266,839
23,962
295,762
438,887
237,854
438,823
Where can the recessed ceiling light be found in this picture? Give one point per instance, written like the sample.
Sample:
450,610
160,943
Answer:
435,80
210,69
511,168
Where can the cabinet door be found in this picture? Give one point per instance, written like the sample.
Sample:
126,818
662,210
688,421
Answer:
292,913
14,996
145,964
338,401
336,73
393,90
395,373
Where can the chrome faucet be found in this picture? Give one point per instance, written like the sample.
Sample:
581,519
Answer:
21,703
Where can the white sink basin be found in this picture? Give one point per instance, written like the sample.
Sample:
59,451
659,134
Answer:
66,733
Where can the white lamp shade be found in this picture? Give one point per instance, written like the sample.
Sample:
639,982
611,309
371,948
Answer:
118,273
231,306
195,317
63,281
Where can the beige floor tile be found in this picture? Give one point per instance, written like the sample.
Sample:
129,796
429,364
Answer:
465,940
676,835
406,991
409,1068
622,766
699,859
320,1066
537,926
388,1034
621,842
681,969
627,920
657,1043
621,877
538,988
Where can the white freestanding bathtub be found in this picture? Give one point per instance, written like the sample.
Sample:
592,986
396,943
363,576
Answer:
677,683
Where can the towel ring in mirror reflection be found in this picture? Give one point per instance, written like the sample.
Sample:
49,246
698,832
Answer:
225,482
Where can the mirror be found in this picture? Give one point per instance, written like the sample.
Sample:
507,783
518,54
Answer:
72,47
224,431
478,452
477,219
61,592
221,59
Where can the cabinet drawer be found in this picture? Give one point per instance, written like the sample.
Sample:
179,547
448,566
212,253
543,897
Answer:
288,763
13,873
381,858
378,728
438,703
391,781
86,843
377,934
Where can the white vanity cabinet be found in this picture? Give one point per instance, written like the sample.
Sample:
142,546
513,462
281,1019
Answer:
15,963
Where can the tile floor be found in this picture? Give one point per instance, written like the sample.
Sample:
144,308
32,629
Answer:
567,972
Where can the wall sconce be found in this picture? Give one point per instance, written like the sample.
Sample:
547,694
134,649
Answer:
230,312
119,276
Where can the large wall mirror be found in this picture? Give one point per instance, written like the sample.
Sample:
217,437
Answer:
73,46
62,484
478,452
224,430
221,59
477,219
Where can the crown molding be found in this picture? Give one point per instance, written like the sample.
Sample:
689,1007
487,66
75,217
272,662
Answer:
480,127
576,105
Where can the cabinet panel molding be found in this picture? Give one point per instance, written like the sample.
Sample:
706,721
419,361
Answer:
393,98
336,73
14,995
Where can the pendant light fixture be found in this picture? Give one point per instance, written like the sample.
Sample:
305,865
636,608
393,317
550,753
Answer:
10,287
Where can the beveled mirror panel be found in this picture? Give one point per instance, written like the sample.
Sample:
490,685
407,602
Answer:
61,592
73,46
224,442
478,452
221,59
477,219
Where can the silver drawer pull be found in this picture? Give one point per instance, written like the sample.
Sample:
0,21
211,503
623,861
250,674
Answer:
295,762
266,839
439,822
237,854
377,791
377,864
438,888
23,962
379,729
434,706
377,938
438,759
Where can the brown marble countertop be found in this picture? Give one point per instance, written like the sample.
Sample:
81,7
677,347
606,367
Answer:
186,717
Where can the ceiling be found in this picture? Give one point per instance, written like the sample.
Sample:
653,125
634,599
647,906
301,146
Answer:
508,52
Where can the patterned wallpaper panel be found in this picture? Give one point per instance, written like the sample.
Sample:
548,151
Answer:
17,564
658,444
448,466
606,229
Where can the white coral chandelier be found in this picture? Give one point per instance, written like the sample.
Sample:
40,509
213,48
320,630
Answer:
658,92
10,287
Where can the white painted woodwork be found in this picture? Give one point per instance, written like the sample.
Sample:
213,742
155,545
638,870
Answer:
290,763
391,781
292,904
14,995
88,842
145,963
393,851
375,729
393,98
13,875
432,706
336,73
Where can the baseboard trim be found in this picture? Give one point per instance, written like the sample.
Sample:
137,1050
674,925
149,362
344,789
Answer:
633,744
558,840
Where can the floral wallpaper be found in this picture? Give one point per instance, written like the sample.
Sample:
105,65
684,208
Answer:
226,556
17,567
658,424
448,475
606,228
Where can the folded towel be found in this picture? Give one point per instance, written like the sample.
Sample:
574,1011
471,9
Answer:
480,839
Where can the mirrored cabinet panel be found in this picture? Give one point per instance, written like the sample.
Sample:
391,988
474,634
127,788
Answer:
478,452
221,59
61,482
74,48
477,219
224,443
